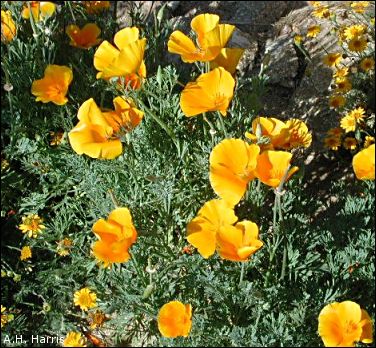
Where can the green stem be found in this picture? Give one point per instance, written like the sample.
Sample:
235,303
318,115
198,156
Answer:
160,122
113,198
284,263
32,22
242,274
137,268
222,124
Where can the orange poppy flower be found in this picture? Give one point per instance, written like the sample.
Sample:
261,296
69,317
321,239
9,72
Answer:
116,236
211,38
123,60
54,85
298,135
83,38
364,163
342,324
232,165
212,91
93,135
272,129
239,242
8,28
175,319
39,10
202,230
272,165
228,58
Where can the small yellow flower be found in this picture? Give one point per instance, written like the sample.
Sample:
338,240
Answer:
332,142
85,299
343,85
348,123
367,64
56,138
64,246
354,31
321,12
315,3
313,31
358,114
358,44
359,6
32,225
337,101
332,59
25,253
368,141
350,143
96,319
372,21
343,72
336,132
5,318
74,339
298,39
93,7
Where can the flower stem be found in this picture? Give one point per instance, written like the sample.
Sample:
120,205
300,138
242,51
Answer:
113,198
222,124
242,274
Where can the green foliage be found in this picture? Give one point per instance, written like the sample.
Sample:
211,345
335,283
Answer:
163,179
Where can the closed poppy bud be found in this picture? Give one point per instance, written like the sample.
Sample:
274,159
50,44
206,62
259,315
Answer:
175,319
8,28
272,165
364,163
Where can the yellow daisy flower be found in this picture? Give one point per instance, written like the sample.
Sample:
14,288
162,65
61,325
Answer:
357,114
332,59
313,31
358,44
367,64
354,31
350,143
359,6
74,339
337,101
348,123
343,85
25,253
368,141
333,143
85,299
321,12
32,225
341,72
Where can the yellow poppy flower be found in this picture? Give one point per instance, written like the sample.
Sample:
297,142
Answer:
228,58
25,253
93,135
74,339
175,319
239,242
337,101
85,299
298,134
124,60
202,230
212,91
83,38
54,85
93,7
211,38
332,59
272,165
342,324
364,163
39,10
269,128
367,64
8,28
358,44
116,236
313,31
232,163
